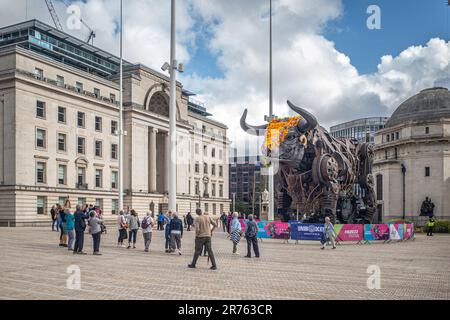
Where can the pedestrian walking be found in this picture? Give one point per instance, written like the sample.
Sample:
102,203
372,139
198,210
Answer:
96,231
229,219
122,227
61,223
133,226
176,233
80,227
189,221
430,226
70,229
54,216
147,230
328,234
251,232
167,220
160,221
236,233
203,234
223,220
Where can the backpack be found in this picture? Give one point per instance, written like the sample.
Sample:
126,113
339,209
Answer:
251,230
145,223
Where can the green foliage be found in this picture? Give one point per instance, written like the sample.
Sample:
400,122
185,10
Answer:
440,227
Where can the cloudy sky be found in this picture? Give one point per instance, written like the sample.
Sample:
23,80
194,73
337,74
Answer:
325,57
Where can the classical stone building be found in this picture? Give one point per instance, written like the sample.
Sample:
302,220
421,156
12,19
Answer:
58,131
412,158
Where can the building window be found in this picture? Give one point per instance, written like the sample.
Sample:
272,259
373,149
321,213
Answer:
114,205
220,171
205,151
98,124
81,176
196,148
397,135
60,81
62,172
213,169
61,142
214,208
427,130
213,189
40,109
114,127
81,119
379,187
39,74
385,154
99,203
221,208
40,204
213,152
427,172
112,97
98,178
395,153
114,178
81,201
189,187
197,188
205,168
387,138
98,148
206,208
79,87
197,167
114,151
221,190
81,145
61,115
40,138
220,154
41,172
97,93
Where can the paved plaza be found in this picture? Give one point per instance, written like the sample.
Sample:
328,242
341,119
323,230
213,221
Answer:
34,267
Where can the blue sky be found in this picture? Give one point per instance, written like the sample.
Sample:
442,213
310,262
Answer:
404,23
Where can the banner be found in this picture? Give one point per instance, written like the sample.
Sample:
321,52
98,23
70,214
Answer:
349,232
243,223
396,231
262,230
277,230
375,232
408,231
306,231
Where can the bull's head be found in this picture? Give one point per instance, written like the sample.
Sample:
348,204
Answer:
291,150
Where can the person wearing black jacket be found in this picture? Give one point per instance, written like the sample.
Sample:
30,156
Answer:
189,221
80,227
176,233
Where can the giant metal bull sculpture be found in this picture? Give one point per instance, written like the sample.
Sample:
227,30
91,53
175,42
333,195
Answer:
315,170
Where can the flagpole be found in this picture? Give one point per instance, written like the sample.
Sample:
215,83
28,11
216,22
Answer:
121,132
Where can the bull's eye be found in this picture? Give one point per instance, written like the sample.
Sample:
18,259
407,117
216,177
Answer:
303,140
290,137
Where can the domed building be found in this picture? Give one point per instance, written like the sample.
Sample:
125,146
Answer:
412,158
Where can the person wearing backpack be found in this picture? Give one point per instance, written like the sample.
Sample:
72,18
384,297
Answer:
251,232
133,225
147,229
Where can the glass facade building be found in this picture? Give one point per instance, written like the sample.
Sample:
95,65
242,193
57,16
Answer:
361,129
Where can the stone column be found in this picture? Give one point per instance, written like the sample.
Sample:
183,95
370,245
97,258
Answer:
152,160
166,161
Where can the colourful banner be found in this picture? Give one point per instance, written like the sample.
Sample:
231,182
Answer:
408,231
306,231
262,230
374,232
243,223
277,230
349,232
396,231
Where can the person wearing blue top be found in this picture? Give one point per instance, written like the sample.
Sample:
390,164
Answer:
61,222
167,220
328,234
160,220
70,228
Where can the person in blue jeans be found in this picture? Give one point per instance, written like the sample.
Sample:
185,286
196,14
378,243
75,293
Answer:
167,220
160,221
70,228
80,227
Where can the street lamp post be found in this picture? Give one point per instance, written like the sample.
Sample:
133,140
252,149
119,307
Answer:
121,132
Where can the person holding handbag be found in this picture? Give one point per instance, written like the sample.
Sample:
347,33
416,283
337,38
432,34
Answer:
122,227
235,232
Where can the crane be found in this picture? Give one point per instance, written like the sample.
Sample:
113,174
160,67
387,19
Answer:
58,24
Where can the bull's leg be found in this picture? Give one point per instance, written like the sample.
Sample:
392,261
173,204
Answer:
369,201
328,206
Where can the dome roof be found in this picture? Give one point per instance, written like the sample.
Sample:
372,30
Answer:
428,105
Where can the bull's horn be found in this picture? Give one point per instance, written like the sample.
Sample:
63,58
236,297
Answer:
254,130
312,121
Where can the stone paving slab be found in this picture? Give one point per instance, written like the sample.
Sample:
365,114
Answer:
34,267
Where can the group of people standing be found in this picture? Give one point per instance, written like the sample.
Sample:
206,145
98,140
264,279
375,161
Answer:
72,226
